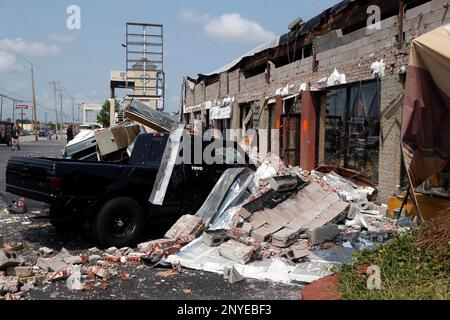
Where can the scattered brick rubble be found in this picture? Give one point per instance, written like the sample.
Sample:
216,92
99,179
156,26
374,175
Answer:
299,222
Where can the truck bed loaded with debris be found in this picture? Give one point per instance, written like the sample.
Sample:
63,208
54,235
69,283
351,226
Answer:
113,195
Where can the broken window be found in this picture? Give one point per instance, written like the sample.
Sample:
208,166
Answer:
352,128
290,130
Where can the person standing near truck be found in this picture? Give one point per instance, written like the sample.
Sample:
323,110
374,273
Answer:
69,133
15,138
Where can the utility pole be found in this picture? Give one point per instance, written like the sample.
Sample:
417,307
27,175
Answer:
53,83
1,108
61,109
14,112
36,139
73,110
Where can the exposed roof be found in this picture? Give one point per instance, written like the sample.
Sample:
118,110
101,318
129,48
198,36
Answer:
302,29
268,45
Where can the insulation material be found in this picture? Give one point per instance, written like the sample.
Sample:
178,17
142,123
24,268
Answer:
336,78
378,68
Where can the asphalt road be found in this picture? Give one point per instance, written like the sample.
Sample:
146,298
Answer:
142,283
28,148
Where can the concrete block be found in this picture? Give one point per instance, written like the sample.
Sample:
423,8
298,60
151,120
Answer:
231,275
297,252
214,238
236,251
73,260
283,183
323,233
20,271
8,259
51,264
285,237
244,213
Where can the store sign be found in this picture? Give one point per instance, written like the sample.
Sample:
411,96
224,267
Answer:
217,113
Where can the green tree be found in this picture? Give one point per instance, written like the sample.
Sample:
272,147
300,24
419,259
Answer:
103,115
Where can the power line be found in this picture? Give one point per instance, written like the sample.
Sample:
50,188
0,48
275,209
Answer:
23,99
37,67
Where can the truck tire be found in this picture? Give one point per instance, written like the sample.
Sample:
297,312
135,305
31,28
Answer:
119,223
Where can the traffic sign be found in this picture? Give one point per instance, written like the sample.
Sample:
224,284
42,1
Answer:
22,106
22,113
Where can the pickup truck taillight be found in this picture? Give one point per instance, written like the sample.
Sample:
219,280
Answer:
54,182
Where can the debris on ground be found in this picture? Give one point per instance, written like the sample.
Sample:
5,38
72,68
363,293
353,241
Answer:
277,223
285,224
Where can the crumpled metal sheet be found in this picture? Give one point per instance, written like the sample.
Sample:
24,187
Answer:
167,166
221,197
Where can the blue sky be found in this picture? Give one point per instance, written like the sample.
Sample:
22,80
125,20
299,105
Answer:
200,36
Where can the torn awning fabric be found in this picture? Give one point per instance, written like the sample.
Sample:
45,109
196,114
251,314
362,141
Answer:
426,112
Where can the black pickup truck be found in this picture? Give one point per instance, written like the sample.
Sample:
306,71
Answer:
113,197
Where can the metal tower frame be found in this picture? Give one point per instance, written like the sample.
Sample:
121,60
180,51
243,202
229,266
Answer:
145,53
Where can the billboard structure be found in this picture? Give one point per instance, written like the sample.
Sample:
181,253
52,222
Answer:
144,63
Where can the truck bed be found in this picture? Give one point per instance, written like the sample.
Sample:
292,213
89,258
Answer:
44,179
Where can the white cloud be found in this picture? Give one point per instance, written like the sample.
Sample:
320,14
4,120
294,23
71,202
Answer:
231,27
34,49
8,62
64,38
189,16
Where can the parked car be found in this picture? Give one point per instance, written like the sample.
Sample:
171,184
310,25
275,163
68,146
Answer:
113,197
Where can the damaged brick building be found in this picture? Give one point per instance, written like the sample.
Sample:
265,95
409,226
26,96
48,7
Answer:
329,91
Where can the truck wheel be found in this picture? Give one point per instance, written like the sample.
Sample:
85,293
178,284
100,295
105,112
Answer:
119,223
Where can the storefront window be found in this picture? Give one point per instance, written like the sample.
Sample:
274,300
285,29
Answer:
352,128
